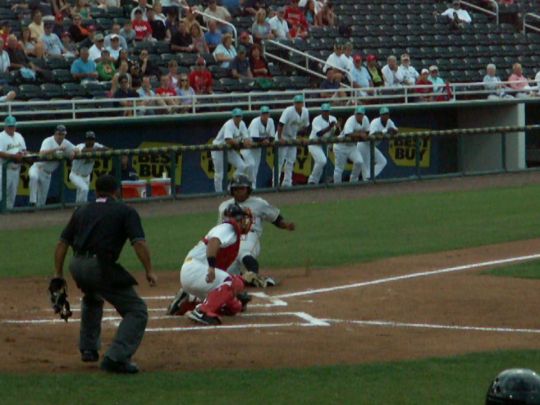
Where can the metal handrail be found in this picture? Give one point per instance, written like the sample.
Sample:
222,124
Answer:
308,57
532,27
485,10
211,17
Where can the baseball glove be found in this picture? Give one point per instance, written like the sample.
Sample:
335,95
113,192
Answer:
255,280
58,296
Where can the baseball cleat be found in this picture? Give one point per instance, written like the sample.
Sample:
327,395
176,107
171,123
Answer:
112,366
180,304
197,316
270,282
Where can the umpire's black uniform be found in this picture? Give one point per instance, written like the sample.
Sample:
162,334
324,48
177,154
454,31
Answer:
97,232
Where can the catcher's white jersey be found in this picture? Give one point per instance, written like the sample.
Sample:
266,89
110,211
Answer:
260,209
224,232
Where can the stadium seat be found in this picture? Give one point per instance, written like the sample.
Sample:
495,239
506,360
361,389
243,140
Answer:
28,91
62,76
52,90
73,90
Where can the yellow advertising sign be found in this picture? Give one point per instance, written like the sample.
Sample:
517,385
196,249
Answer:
402,151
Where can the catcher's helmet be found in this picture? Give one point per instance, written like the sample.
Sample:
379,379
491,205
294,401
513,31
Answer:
514,386
241,215
240,181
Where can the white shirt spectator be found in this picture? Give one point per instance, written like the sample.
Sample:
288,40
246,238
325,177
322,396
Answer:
229,130
318,124
335,61
293,122
409,74
279,27
258,130
50,143
53,44
4,62
123,43
392,78
94,53
352,126
84,167
231,52
318,5
462,14
115,53
376,126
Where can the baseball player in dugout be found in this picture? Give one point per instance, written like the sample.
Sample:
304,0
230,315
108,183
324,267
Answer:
97,233
12,146
204,277
81,169
40,172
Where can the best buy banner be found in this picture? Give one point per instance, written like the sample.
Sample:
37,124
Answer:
402,151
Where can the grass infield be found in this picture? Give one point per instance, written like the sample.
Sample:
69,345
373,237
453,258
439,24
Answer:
522,270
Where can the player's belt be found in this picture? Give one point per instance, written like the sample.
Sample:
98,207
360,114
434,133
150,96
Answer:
85,254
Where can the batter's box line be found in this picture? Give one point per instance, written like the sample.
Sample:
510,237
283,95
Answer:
393,324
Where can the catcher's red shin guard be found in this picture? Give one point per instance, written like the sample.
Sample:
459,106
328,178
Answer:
217,299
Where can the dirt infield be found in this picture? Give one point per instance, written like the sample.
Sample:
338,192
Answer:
401,308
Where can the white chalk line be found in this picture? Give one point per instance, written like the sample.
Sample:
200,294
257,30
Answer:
393,324
409,276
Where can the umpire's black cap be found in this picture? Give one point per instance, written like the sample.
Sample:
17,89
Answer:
90,135
106,184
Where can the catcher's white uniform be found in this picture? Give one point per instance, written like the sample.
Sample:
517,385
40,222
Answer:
12,145
250,245
81,169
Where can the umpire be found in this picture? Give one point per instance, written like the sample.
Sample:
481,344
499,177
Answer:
97,232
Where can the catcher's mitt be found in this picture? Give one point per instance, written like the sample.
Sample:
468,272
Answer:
58,296
255,280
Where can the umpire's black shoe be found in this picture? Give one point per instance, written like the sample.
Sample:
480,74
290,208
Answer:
112,366
89,356
198,316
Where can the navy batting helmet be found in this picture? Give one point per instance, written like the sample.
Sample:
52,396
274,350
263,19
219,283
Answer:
240,181
514,386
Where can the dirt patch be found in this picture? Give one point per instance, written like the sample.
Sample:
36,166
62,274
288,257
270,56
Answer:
423,316
293,196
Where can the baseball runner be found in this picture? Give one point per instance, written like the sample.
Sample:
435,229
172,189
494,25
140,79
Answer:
12,146
356,128
323,126
40,172
261,130
204,276
383,124
294,121
81,169
234,133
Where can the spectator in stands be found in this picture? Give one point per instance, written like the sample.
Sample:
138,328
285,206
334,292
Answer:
173,74
426,89
212,36
127,171
310,13
257,63
245,41
147,67
69,46
197,39
440,88
167,93
159,31
326,17
360,75
114,48
200,78
136,74
53,45
181,41
240,65
125,91
158,12
19,61
408,72
36,27
186,93
143,30
333,82
115,31
336,61
279,26
519,83
225,52
4,59
84,69
28,45
457,17
5,30
96,49
128,33
261,29
374,71
493,84
391,74
219,12
83,9
77,31
190,19
9,96
250,7
143,8
171,23
148,97
347,54
105,67
121,70
294,15
61,8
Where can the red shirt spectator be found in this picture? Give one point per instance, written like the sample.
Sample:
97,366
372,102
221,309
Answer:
423,80
165,91
298,25
200,79
258,64
142,28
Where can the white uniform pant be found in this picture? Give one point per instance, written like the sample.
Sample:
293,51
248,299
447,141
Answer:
234,158
249,246
39,184
344,151
252,157
83,185
319,157
287,156
12,184
380,160
193,278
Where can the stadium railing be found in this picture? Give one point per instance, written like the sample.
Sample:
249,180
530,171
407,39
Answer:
494,12
535,17
172,153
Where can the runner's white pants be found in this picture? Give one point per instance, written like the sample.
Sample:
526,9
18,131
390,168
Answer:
319,158
82,183
234,158
249,246
12,184
344,151
287,156
40,182
380,160
193,278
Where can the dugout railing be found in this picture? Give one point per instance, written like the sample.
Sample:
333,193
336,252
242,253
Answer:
172,153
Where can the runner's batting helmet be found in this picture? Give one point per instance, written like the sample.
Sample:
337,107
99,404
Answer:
514,386
240,181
